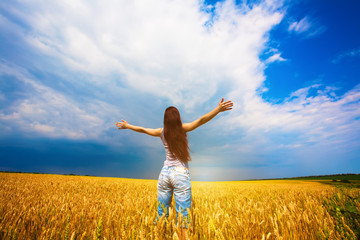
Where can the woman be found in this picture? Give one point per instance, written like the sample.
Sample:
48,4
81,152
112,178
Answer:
174,176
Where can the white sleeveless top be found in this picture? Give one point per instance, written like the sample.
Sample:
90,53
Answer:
171,160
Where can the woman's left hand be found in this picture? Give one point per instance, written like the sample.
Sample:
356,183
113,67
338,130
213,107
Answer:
225,106
122,125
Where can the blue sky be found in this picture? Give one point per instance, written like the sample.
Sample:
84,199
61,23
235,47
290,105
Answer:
70,69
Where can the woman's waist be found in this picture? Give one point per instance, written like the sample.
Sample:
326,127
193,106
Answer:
178,169
175,163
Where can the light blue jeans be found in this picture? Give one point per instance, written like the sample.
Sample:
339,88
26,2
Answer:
174,180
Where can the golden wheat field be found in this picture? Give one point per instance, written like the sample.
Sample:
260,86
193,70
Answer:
42,206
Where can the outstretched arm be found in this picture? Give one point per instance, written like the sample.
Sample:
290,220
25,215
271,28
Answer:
150,131
222,107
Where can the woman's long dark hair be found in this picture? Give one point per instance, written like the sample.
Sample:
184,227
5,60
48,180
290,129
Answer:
175,136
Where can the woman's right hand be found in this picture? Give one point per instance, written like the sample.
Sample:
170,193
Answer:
122,125
225,106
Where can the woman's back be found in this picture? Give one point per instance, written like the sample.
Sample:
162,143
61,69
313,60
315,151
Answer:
171,160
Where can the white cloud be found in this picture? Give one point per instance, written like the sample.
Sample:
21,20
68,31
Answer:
320,118
307,26
300,26
161,48
42,128
275,58
46,112
351,53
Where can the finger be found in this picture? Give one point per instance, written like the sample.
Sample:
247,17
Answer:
222,100
227,102
228,105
